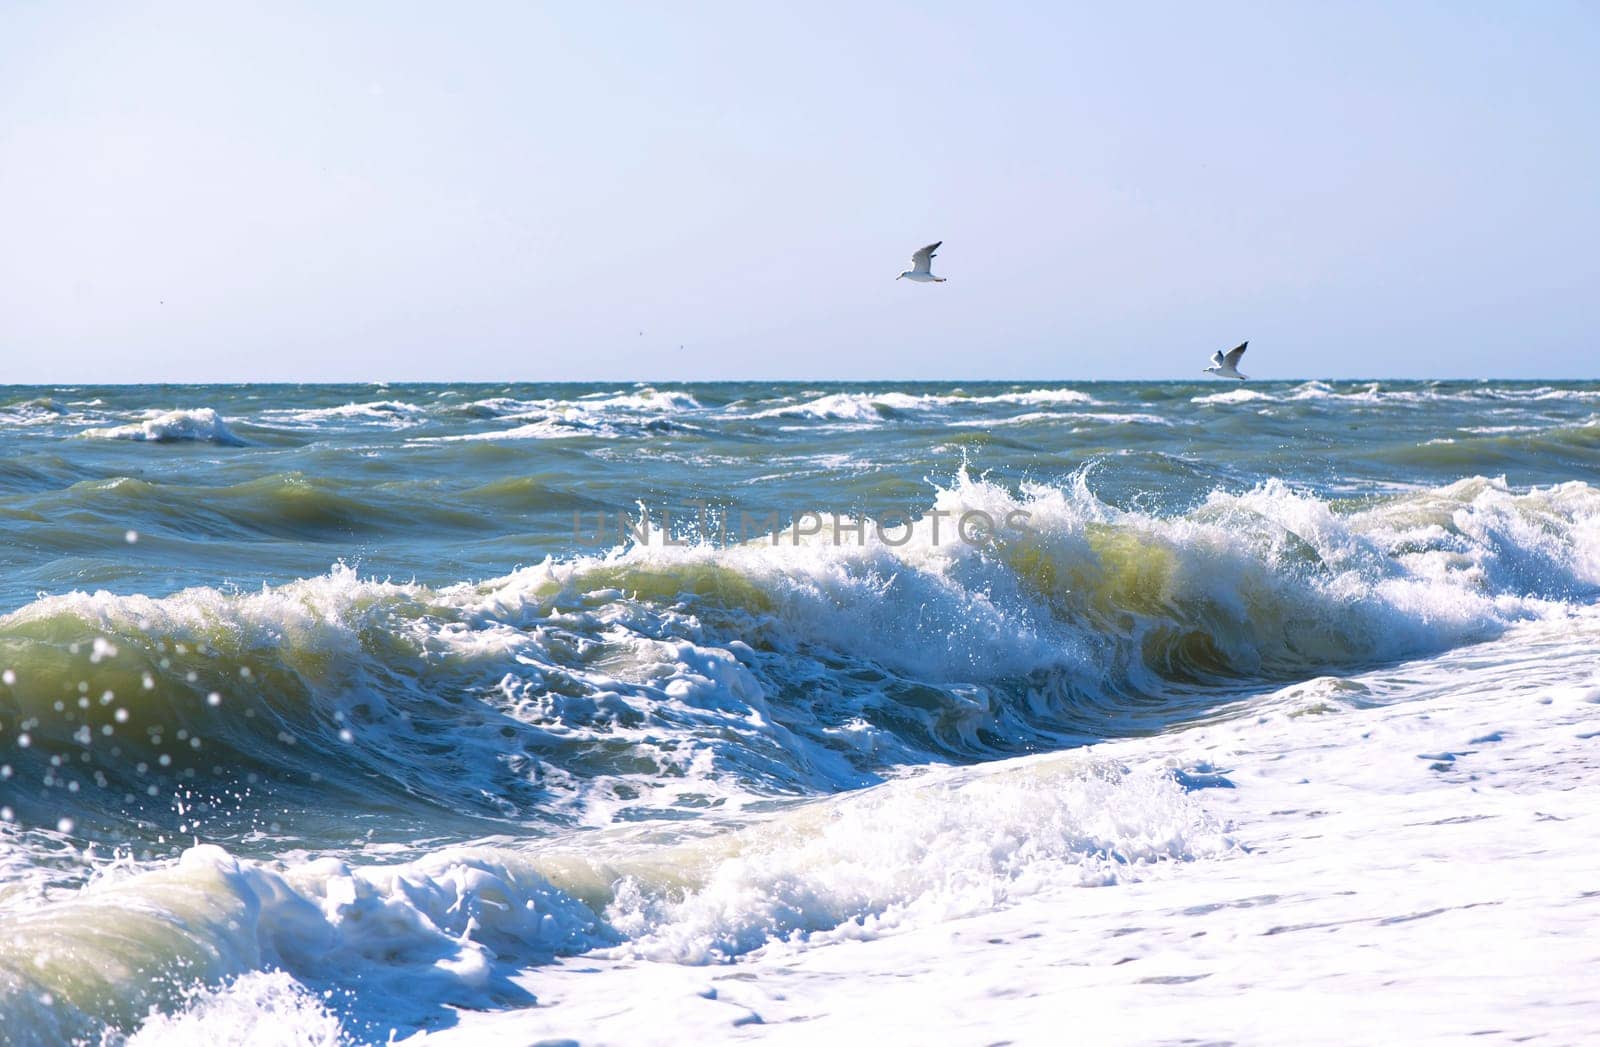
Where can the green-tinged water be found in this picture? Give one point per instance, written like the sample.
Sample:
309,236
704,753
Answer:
607,635
445,482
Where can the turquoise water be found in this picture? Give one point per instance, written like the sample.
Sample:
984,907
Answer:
367,624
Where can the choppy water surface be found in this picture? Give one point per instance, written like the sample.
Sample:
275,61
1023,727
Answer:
360,686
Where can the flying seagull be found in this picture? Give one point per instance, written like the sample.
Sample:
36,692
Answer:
1227,366
921,266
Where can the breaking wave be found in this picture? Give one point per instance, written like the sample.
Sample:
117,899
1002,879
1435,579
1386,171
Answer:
1375,393
764,743
663,678
199,424
875,406
445,930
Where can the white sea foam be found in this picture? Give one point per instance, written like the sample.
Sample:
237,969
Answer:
1240,395
779,782
1455,786
720,674
670,401
418,935
448,928
913,854
258,1009
641,401
729,676
565,426
395,414
875,406
1375,393
1034,417
199,424
1437,810
38,411
599,415
848,406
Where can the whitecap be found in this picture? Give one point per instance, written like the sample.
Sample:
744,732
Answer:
200,424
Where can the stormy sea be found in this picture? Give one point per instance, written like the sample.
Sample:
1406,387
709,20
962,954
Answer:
495,714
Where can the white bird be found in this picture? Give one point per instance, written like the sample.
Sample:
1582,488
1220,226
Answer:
921,266
1227,366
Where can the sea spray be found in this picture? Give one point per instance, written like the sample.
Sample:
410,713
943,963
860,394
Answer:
661,677
236,783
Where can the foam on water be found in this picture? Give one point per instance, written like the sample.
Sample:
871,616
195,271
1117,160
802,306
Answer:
846,406
37,411
395,414
878,405
661,677
560,427
1374,393
599,415
640,401
672,681
1415,862
844,776
668,401
979,862
259,1009
913,854
1032,417
1240,395
449,928
201,424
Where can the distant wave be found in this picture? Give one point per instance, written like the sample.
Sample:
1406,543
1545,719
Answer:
390,413
668,401
553,428
31,412
605,416
1374,393
199,424
642,401
280,505
877,405
1032,417
1576,445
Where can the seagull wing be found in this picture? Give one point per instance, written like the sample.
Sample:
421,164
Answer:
1234,354
922,261
1216,358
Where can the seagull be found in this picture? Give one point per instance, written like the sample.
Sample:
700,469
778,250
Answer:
1227,366
921,264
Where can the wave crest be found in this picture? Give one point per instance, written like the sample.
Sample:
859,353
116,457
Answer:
659,678
446,929
198,424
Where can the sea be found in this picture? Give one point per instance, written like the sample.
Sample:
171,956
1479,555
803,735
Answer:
437,714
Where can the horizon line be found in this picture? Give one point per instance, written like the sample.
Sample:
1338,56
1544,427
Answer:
770,381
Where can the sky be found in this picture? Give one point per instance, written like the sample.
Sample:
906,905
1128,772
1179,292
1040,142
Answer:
655,191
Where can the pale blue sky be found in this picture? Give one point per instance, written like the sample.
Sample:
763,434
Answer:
382,191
